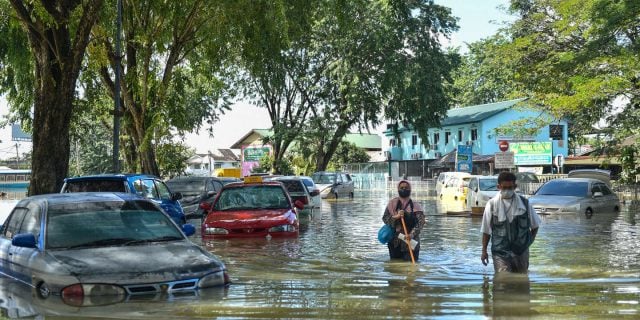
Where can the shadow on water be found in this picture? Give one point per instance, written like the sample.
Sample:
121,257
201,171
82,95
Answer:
337,269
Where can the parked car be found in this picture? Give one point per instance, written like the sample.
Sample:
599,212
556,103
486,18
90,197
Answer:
195,191
90,244
574,195
227,180
526,177
334,184
297,191
480,190
598,174
313,190
252,209
145,186
443,179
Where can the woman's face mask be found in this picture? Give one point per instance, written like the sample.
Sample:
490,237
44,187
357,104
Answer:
404,192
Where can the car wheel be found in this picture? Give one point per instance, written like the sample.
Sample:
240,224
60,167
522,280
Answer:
351,195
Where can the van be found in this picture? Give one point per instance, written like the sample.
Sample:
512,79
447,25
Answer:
455,189
444,177
481,189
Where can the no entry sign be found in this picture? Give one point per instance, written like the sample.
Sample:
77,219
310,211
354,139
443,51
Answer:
503,145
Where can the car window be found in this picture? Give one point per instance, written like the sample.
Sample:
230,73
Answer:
163,191
324,178
113,223
605,190
187,186
31,221
489,184
11,226
145,188
95,185
293,186
307,182
561,187
346,177
252,197
473,184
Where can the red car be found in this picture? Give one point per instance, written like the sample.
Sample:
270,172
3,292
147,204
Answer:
252,209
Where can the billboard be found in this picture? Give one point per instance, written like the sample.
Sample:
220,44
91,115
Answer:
531,153
464,158
251,156
18,135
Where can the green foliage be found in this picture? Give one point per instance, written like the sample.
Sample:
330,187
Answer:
172,158
348,153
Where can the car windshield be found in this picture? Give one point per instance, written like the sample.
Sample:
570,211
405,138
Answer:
95,185
307,182
324,178
107,223
488,184
252,197
293,186
187,186
561,187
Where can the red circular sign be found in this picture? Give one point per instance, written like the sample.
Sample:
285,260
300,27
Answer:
503,145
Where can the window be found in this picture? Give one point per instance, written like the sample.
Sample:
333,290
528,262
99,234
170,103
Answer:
163,190
31,222
436,138
460,136
145,189
12,224
414,140
556,131
447,136
474,134
392,142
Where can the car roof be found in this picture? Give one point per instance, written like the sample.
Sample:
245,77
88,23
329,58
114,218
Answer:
191,178
63,198
242,184
577,180
111,176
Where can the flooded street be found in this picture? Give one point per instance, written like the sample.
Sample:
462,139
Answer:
337,269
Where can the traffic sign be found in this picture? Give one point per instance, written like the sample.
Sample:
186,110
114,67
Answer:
504,160
503,145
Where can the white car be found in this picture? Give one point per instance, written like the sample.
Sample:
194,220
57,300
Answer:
443,180
481,189
334,184
314,191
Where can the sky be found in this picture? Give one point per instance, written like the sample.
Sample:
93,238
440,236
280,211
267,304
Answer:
478,19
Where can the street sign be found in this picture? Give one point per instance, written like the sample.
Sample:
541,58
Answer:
464,158
532,153
503,145
504,160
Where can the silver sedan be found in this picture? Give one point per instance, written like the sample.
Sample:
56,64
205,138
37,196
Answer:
76,245
574,195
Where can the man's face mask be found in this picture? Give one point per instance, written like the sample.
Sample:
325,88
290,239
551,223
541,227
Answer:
506,193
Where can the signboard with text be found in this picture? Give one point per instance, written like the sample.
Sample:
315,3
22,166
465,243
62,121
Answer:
532,153
464,158
251,156
504,160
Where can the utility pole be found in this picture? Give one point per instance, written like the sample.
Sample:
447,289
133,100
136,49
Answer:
117,112
17,157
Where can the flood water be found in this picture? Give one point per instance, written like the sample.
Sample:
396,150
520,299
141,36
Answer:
337,269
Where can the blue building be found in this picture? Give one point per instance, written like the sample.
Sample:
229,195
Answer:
475,126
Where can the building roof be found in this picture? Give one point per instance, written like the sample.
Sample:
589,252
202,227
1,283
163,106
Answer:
365,141
219,155
477,113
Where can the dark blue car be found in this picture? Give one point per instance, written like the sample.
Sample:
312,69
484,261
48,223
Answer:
146,186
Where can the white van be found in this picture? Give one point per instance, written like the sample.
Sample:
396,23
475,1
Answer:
481,189
443,179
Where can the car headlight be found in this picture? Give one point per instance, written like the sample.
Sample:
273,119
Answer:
212,231
219,278
283,228
79,294
572,208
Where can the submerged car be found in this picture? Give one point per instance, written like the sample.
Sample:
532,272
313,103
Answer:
334,184
195,191
252,209
313,190
480,190
298,191
574,195
88,244
146,186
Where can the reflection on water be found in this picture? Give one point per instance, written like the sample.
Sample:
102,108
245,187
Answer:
338,269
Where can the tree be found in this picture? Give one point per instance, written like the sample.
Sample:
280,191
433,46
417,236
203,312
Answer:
57,33
348,152
379,57
172,56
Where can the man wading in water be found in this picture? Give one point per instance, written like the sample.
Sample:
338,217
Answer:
511,224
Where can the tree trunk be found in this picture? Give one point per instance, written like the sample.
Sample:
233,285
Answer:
53,106
325,155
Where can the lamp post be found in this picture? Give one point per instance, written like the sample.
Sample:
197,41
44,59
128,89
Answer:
116,96
551,139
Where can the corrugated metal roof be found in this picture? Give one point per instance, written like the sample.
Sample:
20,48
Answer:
477,113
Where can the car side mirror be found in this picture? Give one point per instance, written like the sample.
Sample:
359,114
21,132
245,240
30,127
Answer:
24,240
206,206
597,194
211,194
176,196
188,229
298,204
